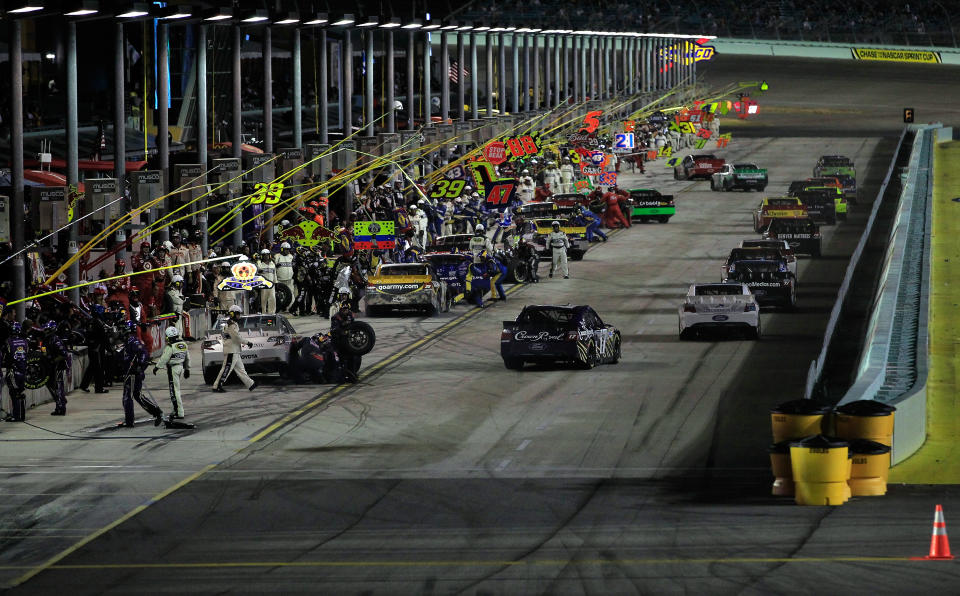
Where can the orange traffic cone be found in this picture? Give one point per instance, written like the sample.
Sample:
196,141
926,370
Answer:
939,544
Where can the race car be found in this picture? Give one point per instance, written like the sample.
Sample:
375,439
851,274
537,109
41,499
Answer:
547,333
698,166
830,186
821,203
569,200
727,306
406,285
832,165
849,187
780,245
271,336
765,272
541,228
745,176
648,204
771,207
451,268
801,233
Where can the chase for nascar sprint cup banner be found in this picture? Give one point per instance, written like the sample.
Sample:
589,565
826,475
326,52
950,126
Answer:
924,56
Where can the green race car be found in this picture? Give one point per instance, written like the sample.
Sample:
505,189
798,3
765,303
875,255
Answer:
745,176
647,204
834,165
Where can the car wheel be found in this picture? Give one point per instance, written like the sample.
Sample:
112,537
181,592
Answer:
576,255
513,363
210,374
663,218
684,334
713,185
616,350
756,330
358,338
589,357
521,271
842,216
792,303
284,297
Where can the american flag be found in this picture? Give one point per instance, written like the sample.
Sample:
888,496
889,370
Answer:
455,71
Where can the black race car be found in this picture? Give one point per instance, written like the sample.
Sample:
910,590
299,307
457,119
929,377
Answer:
766,272
801,233
545,333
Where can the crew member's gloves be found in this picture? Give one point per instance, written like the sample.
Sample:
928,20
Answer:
186,373
155,369
250,344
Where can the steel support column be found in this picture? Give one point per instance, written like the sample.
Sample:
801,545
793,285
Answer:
427,95
201,128
390,83
489,40
474,78
297,90
461,79
73,155
16,150
444,77
346,93
526,73
163,122
369,116
502,78
119,123
515,74
321,93
536,72
547,73
237,132
411,81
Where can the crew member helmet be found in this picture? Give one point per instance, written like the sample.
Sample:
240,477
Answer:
479,228
177,279
171,333
285,245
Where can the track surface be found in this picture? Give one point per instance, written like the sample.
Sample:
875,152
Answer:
447,473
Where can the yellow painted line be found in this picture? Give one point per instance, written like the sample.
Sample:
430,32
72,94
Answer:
34,570
322,399
937,461
480,563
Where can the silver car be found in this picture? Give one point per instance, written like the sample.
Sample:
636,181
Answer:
272,337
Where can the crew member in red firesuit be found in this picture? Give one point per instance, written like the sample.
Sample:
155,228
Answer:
118,290
612,216
160,259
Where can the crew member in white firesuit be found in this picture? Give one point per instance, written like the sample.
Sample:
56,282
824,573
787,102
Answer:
175,304
176,359
551,177
527,187
559,243
420,223
284,263
267,270
479,242
566,176
232,347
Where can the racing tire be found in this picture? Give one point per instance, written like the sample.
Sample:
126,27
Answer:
284,297
445,299
591,357
358,338
210,374
676,175
521,271
792,299
663,219
615,358
38,370
756,333
576,255
683,334
513,363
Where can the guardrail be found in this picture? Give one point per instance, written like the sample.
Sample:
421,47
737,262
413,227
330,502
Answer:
893,364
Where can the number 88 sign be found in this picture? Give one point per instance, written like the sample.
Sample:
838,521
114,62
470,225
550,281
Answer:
521,146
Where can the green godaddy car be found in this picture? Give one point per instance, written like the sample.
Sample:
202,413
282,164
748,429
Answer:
647,204
834,165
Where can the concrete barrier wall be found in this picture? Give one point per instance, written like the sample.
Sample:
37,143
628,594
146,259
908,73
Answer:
879,355
812,49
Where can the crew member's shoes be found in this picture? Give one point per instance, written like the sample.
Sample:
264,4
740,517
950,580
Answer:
59,412
604,238
84,389
551,275
158,419
128,424
101,391
566,277
219,390
254,386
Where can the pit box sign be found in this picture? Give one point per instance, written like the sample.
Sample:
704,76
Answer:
495,152
523,146
369,235
624,142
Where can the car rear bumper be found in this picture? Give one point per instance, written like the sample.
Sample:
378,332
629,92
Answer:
726,319
543,351
416,298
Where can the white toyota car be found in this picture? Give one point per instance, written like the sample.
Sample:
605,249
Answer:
719,306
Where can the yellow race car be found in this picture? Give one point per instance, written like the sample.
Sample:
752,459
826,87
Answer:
406,285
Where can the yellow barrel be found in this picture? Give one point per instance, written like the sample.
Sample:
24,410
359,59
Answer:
821,468
782,471
870,468
865,419
797,419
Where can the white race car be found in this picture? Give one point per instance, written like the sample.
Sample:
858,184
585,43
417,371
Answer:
719,306
271,335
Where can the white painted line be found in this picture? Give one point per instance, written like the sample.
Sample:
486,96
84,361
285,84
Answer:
503,465
523,445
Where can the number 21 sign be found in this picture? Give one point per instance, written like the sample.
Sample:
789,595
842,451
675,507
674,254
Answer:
623,142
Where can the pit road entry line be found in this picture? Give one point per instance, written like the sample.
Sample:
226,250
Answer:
320,400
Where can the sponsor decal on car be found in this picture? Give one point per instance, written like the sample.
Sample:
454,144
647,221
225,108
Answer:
541,336
720,318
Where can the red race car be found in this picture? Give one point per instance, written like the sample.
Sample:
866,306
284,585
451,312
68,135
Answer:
698,166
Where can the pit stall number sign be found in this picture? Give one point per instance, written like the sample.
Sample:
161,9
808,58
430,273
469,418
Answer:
623,142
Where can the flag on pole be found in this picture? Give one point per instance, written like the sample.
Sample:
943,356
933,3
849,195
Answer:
455,72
